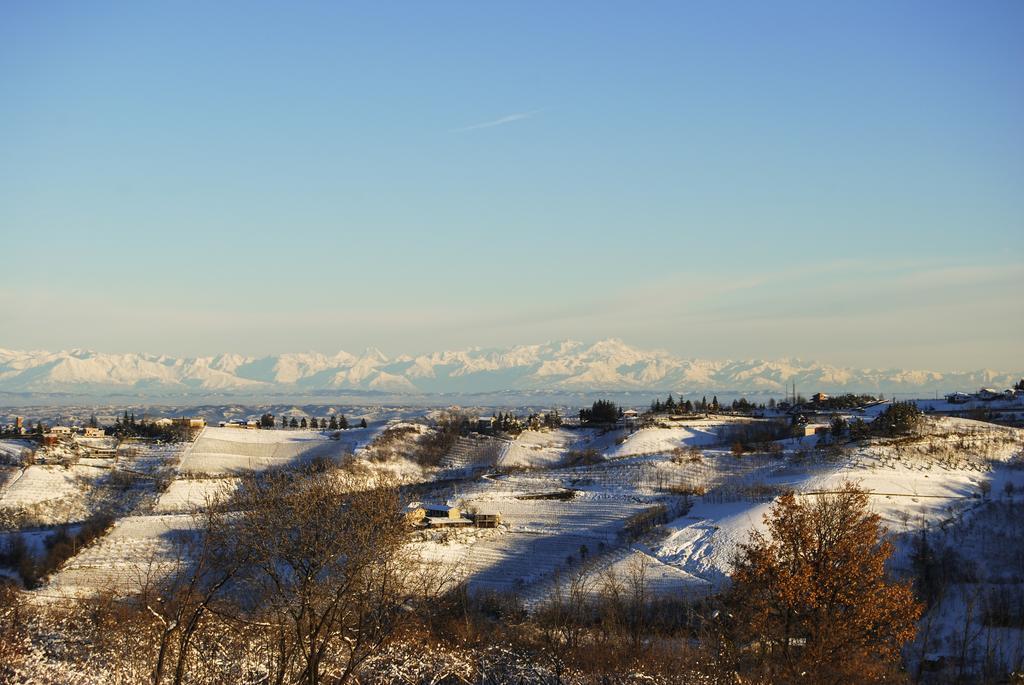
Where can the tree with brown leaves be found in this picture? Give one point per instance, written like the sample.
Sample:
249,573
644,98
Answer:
810,600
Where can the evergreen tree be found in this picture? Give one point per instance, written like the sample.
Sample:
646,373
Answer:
303,423
124,421
294,423
926,567
670,404
839,426
333,425
898,418
704,403
602,411
362,423
342,422
714,403
92,422
552,419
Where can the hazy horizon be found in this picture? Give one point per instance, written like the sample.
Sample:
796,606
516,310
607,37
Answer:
833,183
495,349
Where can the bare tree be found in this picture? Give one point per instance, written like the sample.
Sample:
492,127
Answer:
563,618
206,559
638,596
327,567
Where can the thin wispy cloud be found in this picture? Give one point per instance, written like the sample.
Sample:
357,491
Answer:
507,119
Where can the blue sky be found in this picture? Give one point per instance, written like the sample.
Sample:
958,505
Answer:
842,182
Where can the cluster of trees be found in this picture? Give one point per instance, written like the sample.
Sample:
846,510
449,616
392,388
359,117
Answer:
755,436
311,566
507,422
9,432
304,577
58,546
335,422
127,426
550,419
838,426
434,445
671,405
899,418
846,401
602,411
744,406
298,577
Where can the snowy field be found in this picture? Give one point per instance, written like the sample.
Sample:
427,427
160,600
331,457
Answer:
537,539
11,450
664,440
101,444
222,451
542,448
50,494
909,487
41,483
136,551
703,541
186,495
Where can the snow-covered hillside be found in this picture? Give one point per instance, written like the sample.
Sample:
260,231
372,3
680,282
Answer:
608,365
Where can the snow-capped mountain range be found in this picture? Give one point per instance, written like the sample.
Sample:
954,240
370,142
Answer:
609,365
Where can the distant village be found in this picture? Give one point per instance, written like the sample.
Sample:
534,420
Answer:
165,428
53,434
986,395
986,403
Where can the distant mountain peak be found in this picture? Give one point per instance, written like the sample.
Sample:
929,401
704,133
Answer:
564,365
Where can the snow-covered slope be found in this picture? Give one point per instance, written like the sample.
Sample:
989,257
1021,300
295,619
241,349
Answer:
609,365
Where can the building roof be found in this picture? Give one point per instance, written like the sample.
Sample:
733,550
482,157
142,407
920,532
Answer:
446,521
